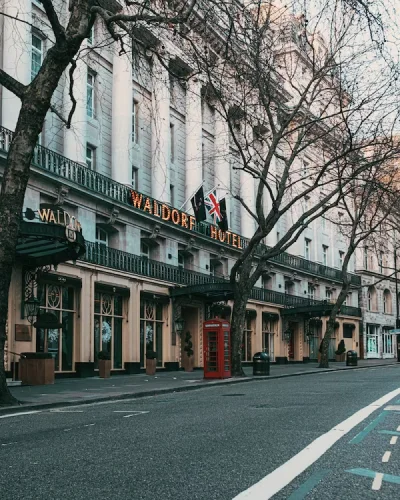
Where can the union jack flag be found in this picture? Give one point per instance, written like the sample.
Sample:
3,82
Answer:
212,204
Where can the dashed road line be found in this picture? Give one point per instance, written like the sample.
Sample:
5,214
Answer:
20,414
394,440
88,425
398,428
389,478
377,482
386,456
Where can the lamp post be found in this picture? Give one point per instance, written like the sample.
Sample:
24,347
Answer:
179,325
32,306
397,298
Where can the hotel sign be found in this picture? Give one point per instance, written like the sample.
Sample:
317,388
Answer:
181,219
60,217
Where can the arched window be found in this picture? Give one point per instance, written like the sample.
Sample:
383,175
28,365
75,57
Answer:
371,299
387,302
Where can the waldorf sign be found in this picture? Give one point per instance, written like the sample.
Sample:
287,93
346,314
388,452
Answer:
182,219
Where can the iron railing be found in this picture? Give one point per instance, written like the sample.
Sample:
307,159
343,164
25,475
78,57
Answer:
117,259
79,174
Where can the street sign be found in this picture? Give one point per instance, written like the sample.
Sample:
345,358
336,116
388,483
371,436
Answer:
395,331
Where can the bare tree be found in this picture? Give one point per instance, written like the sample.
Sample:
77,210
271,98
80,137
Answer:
302,117
368,214
36,100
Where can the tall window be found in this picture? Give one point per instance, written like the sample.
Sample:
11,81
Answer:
135,122
387,302
246,341
90,94
172,141
365,257
91,36
380,262
269,326
341,258
371,299
288,287
101,236
108,327
307,249
135,178
172,194
181,260
325,255
144,250
58,300
311,291
151,330
37,55
328,295
91,157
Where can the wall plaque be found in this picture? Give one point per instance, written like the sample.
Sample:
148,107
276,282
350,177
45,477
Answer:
23,333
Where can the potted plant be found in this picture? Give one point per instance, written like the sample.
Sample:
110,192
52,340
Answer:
340,351
189,358
104,358
151,362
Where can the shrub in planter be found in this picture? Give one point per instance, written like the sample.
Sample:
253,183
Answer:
188,364
151,362
104,358
340,352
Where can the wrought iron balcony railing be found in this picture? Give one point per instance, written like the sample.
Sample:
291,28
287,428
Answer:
80,175
117,259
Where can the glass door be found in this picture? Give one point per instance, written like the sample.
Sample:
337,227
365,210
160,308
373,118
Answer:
389,344
372,341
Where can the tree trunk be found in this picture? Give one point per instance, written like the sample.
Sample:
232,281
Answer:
324,363
35,104
237,328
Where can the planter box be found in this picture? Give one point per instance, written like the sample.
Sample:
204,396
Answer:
36,371
188,364
151,365
104,368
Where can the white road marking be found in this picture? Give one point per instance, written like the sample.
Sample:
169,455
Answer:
283,475
66,430
135,414
66,411
392,408
386,456
398,428
393,440
377,483
8,444
88,425
20,414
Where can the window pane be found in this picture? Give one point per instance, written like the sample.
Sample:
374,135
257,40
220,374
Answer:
117,342
106,334
159,310
149,336
96,302
142,326
53,342
117,305
96,340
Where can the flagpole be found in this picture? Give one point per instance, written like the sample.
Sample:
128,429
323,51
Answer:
191,196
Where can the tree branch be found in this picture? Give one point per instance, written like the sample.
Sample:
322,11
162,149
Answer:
71,92
58,29
12,84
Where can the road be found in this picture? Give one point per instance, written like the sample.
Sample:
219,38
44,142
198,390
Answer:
215,444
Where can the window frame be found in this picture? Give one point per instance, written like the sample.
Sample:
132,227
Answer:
135,122
36,51
92,159
90,91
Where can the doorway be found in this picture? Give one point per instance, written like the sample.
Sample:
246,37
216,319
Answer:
191,317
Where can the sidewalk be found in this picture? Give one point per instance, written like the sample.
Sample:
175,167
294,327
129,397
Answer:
76,391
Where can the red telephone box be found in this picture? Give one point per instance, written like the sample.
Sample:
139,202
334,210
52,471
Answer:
217,348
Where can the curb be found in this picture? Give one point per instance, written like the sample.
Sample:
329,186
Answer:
186,388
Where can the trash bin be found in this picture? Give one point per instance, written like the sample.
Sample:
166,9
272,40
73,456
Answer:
260,363
351,358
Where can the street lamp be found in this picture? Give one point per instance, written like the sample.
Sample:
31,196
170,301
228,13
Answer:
287,334
179,325
32,308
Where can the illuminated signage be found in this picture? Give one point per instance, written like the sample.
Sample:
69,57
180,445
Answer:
60,217
181,219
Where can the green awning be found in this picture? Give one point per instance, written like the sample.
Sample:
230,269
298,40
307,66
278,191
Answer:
43,244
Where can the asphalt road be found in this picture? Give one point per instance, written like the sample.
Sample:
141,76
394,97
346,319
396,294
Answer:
209,444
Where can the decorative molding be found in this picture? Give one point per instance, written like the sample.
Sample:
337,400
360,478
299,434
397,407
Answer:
113,216
62,193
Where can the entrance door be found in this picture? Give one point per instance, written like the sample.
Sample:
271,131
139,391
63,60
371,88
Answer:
372,341
314,347
389,345
292,341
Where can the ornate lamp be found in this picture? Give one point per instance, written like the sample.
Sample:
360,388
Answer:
32,308
179,325
287,334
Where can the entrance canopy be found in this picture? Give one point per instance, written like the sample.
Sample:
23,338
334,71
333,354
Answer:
43,244
213,292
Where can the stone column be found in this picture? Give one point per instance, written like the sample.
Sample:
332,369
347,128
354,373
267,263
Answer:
194,136
16,49
160,132
222,169
247,193
122,103
75,137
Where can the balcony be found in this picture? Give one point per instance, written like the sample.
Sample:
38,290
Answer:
199,283
62,167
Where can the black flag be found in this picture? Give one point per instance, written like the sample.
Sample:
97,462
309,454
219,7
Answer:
198,205
223,223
